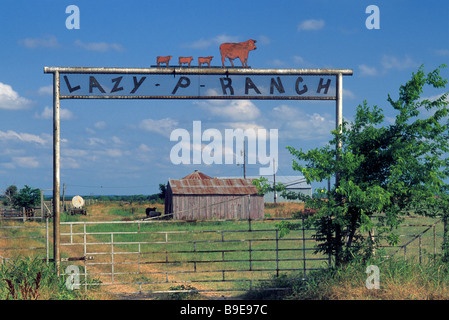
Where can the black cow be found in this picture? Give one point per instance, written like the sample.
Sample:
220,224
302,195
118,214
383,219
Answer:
153,214
148,210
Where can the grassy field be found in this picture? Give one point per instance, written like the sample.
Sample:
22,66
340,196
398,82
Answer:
198,251
191,247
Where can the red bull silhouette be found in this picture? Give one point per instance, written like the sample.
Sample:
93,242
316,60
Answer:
237,50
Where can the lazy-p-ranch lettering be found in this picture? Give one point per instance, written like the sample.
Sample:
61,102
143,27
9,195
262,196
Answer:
213,86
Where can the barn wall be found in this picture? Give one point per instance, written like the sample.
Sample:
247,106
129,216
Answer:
202,207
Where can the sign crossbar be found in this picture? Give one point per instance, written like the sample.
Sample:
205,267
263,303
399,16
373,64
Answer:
185,83
198,83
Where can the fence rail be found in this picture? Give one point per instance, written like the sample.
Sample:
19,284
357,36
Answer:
20,237
218,259
152,256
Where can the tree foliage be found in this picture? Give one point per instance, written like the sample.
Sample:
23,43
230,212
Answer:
263,186
26,197
10,195
385,170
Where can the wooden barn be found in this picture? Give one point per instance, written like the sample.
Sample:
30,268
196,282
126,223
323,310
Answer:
200,197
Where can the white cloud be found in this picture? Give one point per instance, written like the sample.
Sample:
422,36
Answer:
442,52
10,99
367,70
96,141
44,91
263,39
144,148
391,62
311,24
205,43
163,126
100,125
285,112
24,137
242,125
26,162
387,63
277,63
302,62
236,110
46,41
348,94
113,153
116,140
99,46
294,123
73,152
64,114
69,163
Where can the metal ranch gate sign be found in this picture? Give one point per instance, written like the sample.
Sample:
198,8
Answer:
185,83
197,83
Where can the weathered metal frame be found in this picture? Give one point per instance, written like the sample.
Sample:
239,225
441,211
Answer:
89,259
198,71
339,73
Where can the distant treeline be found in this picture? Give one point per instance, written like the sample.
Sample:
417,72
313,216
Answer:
153,198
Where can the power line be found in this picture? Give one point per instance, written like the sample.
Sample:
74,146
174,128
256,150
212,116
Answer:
107,187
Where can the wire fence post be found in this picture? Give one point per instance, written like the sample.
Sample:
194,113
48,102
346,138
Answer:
420,246
84,252
112,257
304,246
277,253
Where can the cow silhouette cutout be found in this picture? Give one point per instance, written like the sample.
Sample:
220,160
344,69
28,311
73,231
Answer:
187,60
237,50
165,60
202,60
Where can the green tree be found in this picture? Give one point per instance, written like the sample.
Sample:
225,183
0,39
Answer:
28,198
10,195
162,191
384,170
263,186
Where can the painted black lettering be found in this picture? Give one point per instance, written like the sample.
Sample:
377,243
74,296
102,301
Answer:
228,85
325,86
137,83
116,82
278,84
93,83
249,84
69,86
183,82
304,87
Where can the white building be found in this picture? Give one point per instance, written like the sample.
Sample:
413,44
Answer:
297,184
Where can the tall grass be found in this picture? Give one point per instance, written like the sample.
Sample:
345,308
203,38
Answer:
399,280
33,279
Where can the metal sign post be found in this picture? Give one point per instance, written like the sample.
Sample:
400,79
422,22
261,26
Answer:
56,171
186,83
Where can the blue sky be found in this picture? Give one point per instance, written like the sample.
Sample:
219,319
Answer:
123,146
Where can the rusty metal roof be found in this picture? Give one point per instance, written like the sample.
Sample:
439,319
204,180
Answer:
213,186
197,175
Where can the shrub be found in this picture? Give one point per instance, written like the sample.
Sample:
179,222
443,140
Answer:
33,279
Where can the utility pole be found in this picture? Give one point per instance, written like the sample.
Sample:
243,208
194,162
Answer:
274,181
244,160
